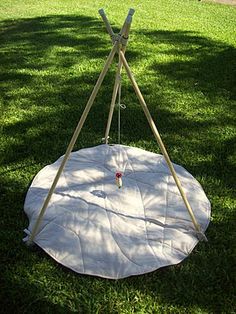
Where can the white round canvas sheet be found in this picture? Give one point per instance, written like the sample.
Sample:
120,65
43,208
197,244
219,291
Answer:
93,227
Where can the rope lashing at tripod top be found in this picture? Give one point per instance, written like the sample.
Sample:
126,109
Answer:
152,217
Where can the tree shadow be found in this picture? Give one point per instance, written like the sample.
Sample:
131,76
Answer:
196,65
202,74
204,280
49,67
211,66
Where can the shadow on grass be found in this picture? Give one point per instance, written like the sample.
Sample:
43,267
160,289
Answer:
49,66
204,280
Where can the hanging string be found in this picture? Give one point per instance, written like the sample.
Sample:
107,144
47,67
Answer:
120,106
119,100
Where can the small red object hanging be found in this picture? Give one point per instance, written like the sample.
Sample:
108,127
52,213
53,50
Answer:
119,179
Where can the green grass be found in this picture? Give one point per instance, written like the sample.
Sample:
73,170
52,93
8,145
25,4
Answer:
183,55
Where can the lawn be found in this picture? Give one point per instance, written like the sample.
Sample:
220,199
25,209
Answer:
183,55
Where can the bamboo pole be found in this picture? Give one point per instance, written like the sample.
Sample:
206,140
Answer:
113,100
126,26
107,24
72,142
160,143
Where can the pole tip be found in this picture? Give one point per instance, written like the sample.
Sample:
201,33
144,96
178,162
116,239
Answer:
101,11
131,12
201,236
29,243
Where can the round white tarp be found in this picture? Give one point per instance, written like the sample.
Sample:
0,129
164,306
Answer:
93,227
